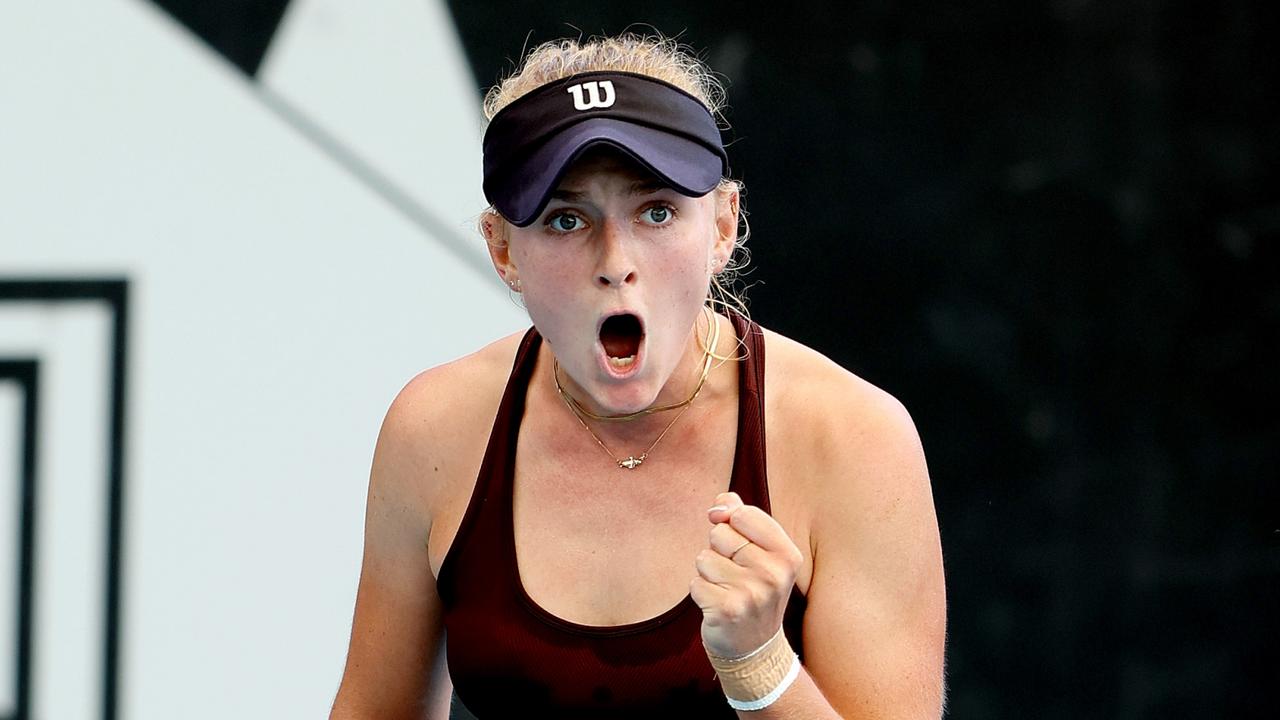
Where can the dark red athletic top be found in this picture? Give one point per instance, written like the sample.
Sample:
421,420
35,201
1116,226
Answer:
508,657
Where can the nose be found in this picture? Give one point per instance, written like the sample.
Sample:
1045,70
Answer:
615,266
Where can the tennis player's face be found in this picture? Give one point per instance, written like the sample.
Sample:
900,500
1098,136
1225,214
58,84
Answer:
614,274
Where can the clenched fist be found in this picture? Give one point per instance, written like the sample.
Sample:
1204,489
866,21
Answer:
744,577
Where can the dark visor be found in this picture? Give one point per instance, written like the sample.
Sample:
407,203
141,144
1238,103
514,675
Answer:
532,142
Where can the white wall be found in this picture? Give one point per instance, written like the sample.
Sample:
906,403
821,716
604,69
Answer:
295,252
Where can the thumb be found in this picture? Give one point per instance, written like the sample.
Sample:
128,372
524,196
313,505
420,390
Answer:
724,505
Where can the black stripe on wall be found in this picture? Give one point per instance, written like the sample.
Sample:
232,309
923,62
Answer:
25,372
114,292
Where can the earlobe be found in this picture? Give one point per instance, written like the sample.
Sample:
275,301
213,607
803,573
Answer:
508,273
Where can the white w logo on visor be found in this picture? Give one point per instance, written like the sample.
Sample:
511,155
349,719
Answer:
593,95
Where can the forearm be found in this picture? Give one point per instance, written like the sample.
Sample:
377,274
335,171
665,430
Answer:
804,700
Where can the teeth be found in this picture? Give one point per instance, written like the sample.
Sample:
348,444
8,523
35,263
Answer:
622,362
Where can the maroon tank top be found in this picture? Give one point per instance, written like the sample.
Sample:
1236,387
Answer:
509,657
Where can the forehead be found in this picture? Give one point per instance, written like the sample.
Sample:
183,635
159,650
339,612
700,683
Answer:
606,165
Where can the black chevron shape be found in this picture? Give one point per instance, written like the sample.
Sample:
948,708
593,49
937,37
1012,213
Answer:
240,30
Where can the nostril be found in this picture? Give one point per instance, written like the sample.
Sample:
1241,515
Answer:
608,277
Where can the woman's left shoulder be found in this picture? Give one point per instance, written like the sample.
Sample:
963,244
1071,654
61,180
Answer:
812,396
839,447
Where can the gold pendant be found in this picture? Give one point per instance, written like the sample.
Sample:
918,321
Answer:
631,462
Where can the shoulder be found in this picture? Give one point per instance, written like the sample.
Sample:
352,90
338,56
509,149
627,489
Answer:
434,398
434,432
827,408
851,448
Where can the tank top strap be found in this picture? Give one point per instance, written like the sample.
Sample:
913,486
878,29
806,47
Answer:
506,426
750,478
493,488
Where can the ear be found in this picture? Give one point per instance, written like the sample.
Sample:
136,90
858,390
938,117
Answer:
726,228
496,237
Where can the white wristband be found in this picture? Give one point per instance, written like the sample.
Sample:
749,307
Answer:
774,694
755,680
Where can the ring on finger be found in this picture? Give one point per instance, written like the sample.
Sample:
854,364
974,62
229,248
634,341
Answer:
739,549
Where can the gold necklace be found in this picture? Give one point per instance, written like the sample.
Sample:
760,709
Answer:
712,340
631,462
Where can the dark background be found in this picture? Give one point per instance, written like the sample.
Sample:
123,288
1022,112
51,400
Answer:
1050,228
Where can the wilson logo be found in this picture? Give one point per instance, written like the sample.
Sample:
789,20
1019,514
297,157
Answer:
592,90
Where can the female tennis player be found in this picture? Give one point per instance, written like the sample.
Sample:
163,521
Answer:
646,505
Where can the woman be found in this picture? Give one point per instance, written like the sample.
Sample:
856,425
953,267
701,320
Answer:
616,543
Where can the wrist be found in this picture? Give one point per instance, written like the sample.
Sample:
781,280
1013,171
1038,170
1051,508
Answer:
755,680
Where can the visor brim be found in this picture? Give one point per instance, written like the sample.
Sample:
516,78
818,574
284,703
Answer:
523,192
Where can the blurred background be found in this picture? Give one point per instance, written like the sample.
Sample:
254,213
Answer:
229,233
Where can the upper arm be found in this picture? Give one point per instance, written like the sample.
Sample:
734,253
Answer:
876,619
395,662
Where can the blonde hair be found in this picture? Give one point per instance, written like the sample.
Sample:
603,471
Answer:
651,55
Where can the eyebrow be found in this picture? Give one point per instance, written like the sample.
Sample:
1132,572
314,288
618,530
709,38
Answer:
640,187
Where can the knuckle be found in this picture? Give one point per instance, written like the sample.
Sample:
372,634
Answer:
698,590
777,577
729,500
796,557
761,594
718,532
734,608
746,516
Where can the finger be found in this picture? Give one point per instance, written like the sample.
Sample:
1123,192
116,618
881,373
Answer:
707,595
725,540
726,503
761,529
716,568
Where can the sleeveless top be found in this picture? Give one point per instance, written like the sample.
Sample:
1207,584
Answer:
508,656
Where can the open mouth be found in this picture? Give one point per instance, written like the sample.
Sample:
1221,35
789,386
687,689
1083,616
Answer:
620,335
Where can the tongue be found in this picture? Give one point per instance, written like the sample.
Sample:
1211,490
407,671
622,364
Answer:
620,346
620,336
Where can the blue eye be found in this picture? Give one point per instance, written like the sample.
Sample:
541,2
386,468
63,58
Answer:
657,215
563,222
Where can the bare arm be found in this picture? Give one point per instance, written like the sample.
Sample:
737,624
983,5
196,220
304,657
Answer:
395,663
876,621
875,624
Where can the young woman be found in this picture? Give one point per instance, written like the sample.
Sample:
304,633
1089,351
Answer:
646,505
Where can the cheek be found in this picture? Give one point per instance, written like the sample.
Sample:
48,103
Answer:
547,292
540,268
687,276
697,263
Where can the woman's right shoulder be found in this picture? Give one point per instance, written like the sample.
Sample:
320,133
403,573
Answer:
458,389
435,431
